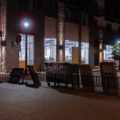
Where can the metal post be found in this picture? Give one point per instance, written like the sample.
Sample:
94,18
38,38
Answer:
26,53
80,30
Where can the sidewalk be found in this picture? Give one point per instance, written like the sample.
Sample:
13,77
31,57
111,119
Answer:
18,102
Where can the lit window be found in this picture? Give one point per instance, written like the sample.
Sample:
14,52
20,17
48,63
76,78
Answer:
30,49
68,49
85,53
50,49
107,52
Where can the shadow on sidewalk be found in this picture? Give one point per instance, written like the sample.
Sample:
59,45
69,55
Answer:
81,93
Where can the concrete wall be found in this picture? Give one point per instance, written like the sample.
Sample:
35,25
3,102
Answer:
39,40
50,27
12,25
12,54
71,30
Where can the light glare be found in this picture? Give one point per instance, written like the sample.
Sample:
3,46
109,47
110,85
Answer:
26,24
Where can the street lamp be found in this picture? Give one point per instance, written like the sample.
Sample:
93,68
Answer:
26,27
118,41
26,24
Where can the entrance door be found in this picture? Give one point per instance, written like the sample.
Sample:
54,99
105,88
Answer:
30,51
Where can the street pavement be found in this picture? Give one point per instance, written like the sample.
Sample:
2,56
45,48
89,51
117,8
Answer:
18,102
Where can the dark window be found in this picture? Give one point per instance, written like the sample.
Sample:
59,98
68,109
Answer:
112,10
119,29
109,26
31,5
0,3
23,5
85,19
26,5
68,13
71,15
39,4
50,8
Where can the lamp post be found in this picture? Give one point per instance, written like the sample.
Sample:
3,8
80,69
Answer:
26,26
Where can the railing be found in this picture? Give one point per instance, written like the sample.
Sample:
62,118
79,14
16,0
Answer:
4,77
105,84
109,85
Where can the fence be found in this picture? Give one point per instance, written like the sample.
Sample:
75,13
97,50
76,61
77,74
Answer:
109,85
105,84
4,77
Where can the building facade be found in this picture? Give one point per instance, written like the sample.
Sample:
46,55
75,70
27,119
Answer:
59,31
13,17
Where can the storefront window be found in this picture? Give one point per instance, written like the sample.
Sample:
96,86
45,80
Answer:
107,53
30,49
50,49
85,53
68,49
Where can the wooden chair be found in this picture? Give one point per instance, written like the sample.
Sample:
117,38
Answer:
87,78
34,75
109,78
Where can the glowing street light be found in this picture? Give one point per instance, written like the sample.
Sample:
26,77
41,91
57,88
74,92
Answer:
118,41
26,25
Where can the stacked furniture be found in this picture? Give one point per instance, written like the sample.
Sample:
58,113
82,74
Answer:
62,73
16,75
105,79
